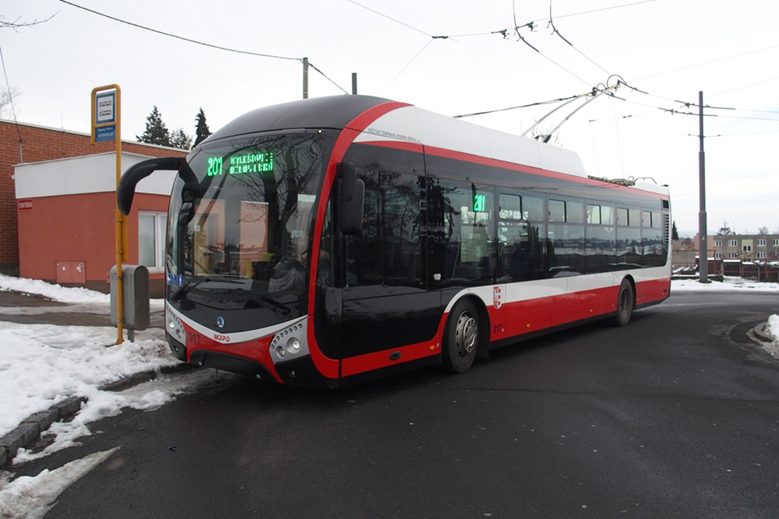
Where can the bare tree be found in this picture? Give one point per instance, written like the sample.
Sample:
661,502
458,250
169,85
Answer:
763,230
18,24
6,99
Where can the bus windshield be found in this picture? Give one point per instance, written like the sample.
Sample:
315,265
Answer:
240,222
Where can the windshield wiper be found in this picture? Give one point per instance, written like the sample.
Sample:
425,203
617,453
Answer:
186,287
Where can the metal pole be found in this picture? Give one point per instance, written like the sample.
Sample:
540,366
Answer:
354,83
703,253
305,78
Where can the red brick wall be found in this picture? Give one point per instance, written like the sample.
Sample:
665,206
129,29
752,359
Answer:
81,228
40,144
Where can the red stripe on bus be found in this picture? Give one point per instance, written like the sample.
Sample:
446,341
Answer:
330,367
256,350
517,319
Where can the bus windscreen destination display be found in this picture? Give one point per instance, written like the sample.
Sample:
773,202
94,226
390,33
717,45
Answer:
242,164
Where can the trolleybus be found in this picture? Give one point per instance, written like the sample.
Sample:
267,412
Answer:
328,241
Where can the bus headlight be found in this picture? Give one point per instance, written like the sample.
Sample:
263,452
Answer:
174,327
290,342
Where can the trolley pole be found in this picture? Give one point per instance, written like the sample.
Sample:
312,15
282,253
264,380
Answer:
354,83
703,253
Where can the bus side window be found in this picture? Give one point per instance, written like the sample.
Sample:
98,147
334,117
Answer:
566,237
468,232
520,243
388,251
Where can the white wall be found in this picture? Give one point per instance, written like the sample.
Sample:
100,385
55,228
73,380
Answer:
88,174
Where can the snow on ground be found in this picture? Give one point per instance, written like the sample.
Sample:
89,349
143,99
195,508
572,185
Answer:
730,283
41,365
29,497
54,292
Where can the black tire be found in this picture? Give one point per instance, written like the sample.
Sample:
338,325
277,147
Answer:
461,337
626,302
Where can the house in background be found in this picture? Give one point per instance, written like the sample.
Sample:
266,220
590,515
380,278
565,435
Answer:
745,247
57,200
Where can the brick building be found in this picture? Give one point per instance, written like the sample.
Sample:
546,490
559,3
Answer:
25,144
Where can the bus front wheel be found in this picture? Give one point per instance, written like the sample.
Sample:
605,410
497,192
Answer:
461,339
626,301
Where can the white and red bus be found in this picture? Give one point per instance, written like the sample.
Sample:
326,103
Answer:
328,241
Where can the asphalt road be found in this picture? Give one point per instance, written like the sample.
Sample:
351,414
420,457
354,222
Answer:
676,415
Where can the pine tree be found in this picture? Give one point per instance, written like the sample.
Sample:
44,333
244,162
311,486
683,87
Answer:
179,139
156,131
202,132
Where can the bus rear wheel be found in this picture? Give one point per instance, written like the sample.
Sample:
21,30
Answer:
461,339
626,301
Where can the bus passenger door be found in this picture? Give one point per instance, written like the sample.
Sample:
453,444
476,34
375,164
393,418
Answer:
386,302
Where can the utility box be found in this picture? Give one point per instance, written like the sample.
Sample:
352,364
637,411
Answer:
135,297
71,272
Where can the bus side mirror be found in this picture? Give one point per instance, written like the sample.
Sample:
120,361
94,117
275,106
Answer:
125,191
352,195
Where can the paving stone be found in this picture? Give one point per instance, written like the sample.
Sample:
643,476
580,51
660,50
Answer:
69,407
22,436
44,419
131,381
3,455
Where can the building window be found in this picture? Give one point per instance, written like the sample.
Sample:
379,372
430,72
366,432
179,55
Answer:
718,255
732,243
733,255
718,243
761,255
151,239
761,243
747,248
776,242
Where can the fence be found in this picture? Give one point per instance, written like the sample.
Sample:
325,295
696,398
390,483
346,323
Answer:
685,264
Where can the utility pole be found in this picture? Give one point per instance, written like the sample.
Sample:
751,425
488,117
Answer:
305,78
354,83
703,253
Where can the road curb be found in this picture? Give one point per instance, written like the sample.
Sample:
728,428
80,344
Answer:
761,332
30,429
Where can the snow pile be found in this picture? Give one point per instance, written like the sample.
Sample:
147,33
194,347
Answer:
773,330
54,292
31,497
729,283
42,365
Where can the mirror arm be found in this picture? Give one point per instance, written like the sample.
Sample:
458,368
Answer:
125,191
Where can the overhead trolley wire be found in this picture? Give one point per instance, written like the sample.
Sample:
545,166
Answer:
539,103
390,18
196,42
219,47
